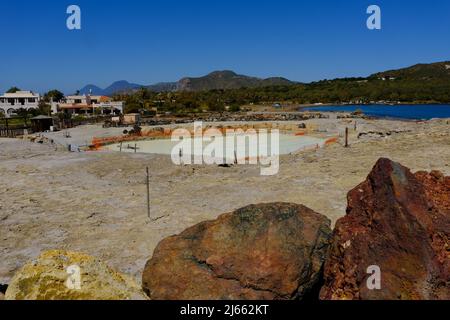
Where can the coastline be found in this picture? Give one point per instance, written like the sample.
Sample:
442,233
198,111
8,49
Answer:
375,104
384,111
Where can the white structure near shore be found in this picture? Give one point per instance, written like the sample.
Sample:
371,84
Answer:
10,103
87,104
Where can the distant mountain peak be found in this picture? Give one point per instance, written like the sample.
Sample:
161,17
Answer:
90,88
115,87
221,73
120,82
218,80
227,79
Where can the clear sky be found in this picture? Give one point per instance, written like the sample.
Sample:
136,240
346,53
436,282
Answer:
163,40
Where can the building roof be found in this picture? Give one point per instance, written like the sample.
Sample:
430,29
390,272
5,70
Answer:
21,94
97,97
104,99
76,97
88,96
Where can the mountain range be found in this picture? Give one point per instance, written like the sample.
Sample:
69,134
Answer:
227,80
231,80
215,80
118,86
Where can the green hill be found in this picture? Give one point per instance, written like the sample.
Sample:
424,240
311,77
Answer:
223,80
439,70
422,83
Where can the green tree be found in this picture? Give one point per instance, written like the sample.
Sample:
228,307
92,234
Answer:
53,94
24,114
235,108
132,107
13,90
44,108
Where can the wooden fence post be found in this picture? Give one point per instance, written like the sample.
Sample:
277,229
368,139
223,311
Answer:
346,137
148,194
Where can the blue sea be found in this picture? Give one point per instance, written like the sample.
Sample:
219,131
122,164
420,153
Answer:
412,112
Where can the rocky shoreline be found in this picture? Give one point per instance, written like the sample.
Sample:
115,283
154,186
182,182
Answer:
241,117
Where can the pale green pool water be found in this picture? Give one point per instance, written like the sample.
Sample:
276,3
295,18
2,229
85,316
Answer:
287,144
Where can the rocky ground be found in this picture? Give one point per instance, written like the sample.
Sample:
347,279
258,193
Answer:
399,223
95,202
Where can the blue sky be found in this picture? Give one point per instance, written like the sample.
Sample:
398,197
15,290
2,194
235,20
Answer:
152,41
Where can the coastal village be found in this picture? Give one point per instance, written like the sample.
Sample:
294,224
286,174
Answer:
84,190
75,105
225,159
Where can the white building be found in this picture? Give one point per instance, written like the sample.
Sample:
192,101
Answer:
87,104
11,102
85,99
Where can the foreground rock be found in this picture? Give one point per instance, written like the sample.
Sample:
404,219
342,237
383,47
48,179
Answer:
266,251
2,291
400,222
46,279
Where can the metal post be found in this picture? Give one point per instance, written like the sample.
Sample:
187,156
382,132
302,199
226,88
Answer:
148,194
346,137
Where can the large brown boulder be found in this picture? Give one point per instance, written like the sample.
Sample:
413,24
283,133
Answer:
266,251
3,288
399,222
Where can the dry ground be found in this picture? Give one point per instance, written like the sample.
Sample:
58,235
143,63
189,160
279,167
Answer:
96,202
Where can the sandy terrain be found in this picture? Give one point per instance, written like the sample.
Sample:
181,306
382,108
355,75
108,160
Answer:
95,202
